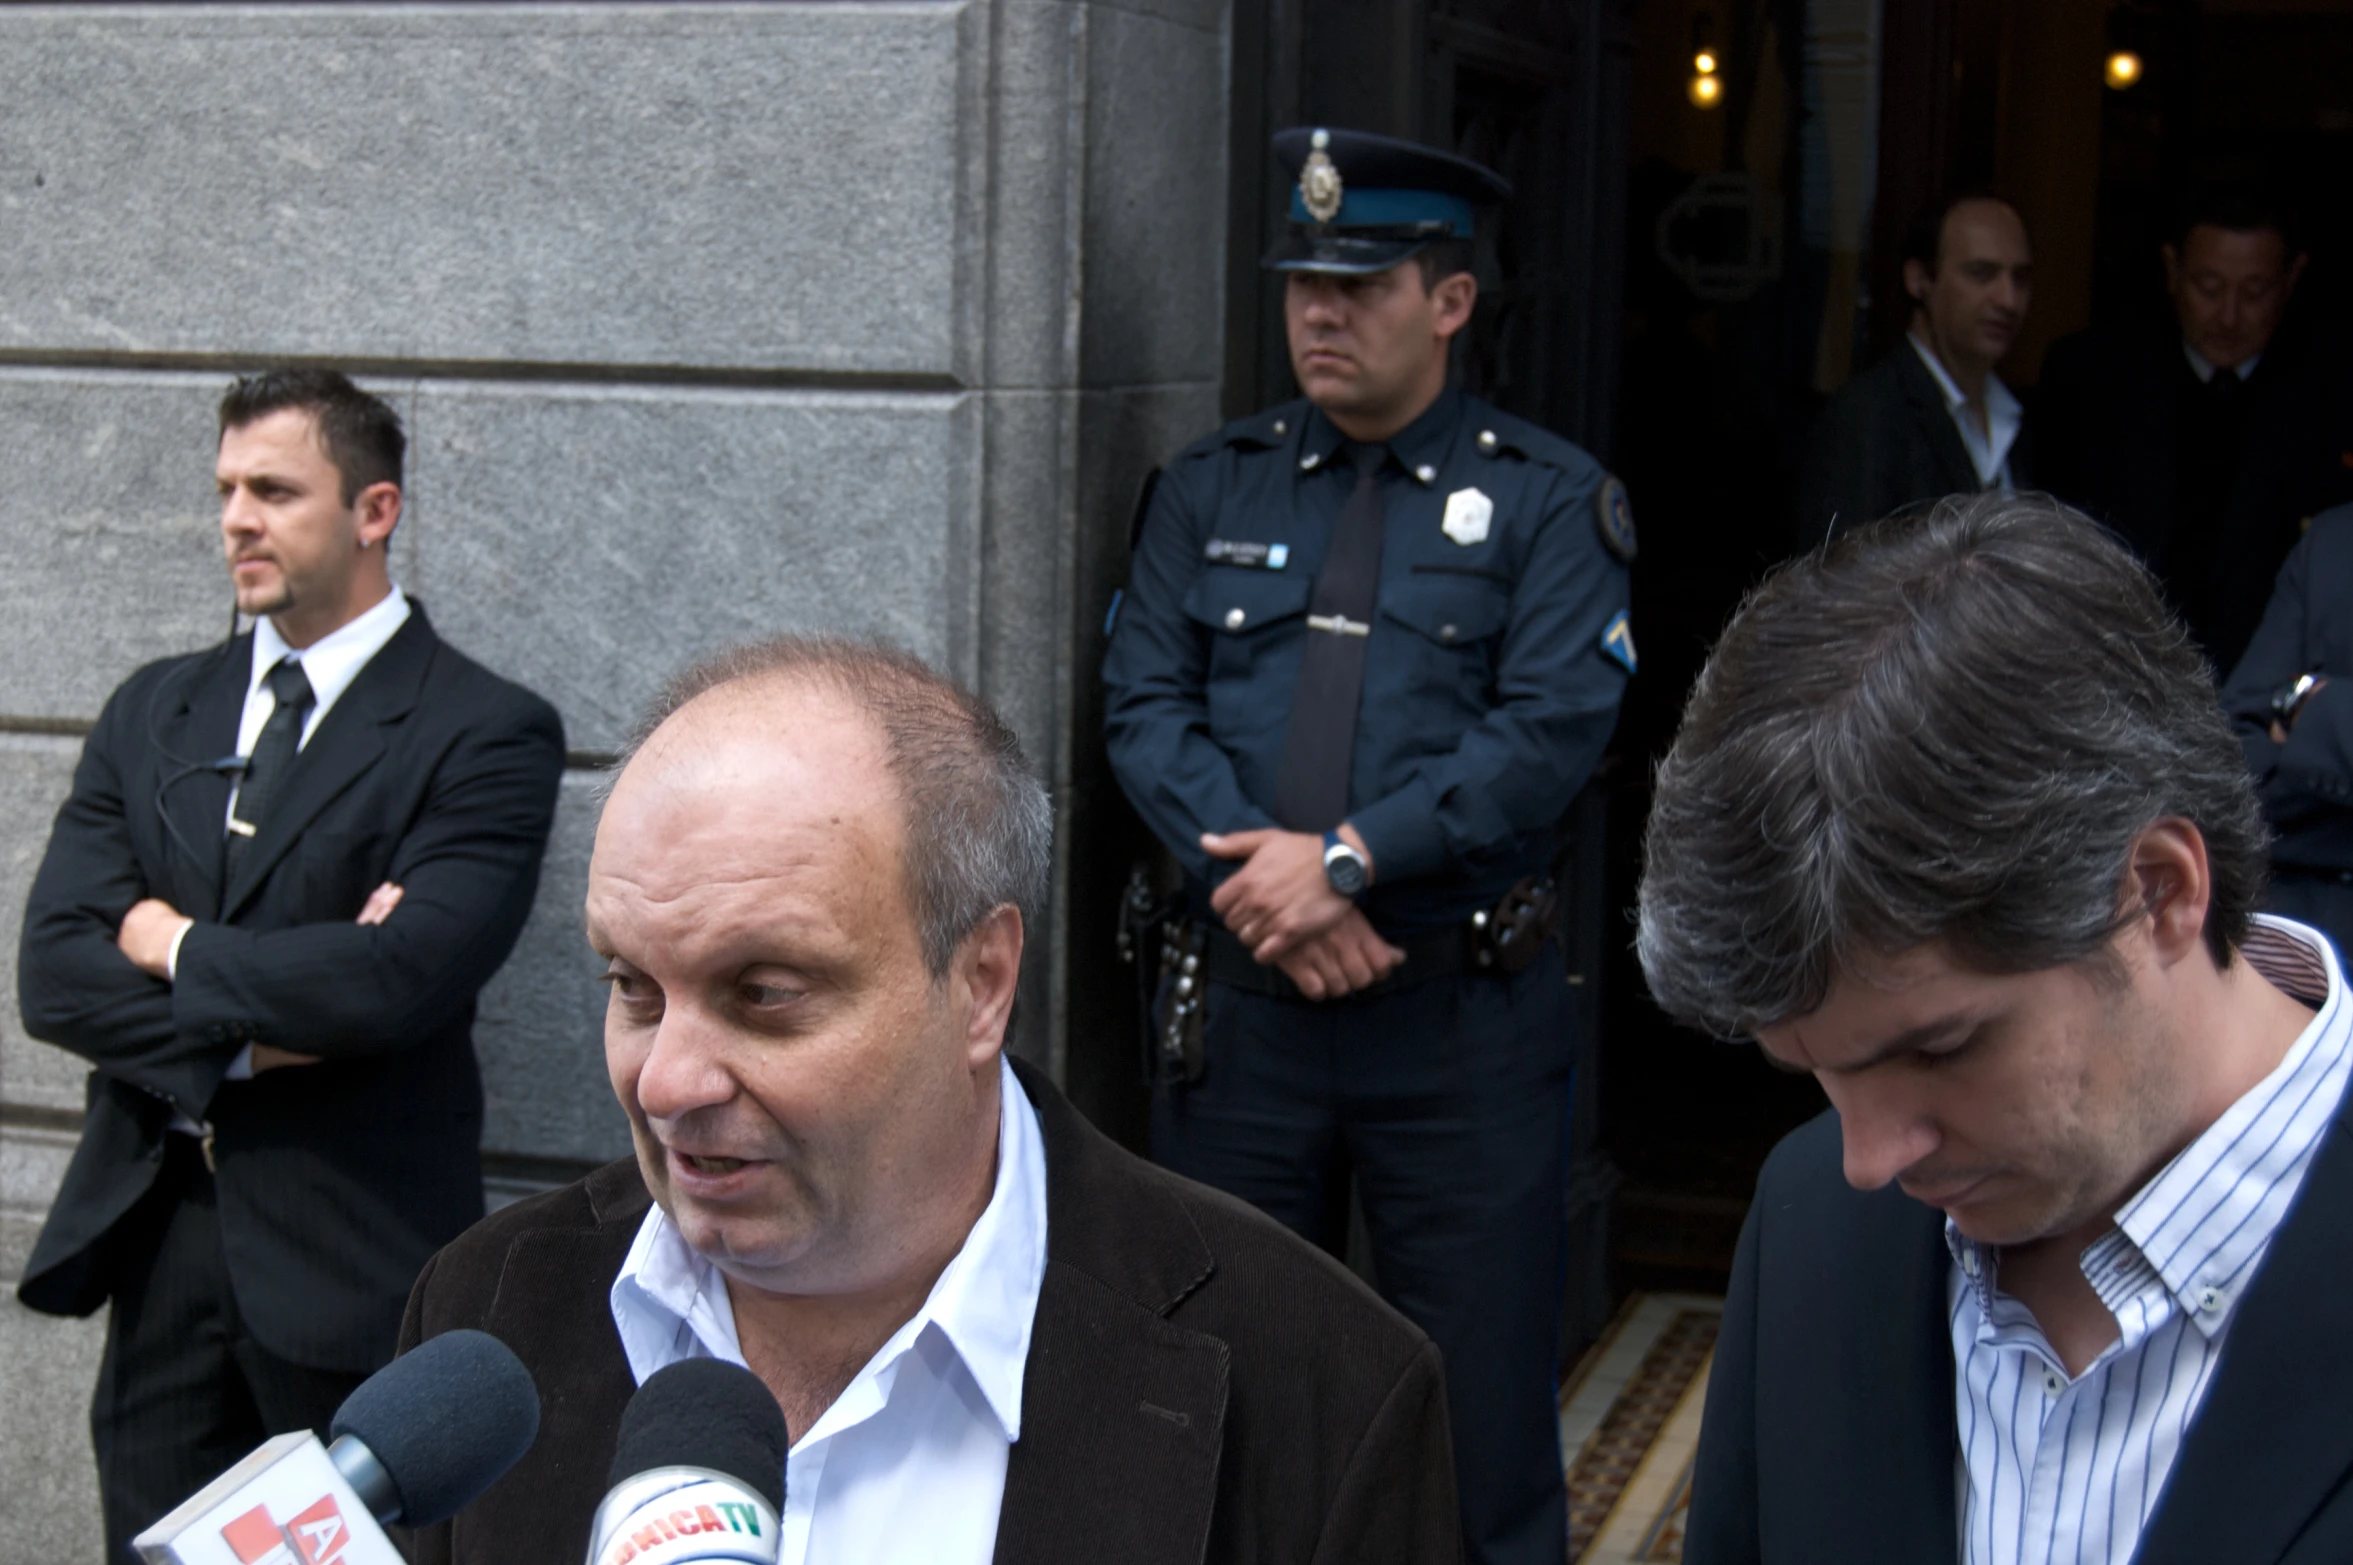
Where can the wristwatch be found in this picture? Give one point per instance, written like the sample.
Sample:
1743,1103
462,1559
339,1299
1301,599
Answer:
1344,867
2289,698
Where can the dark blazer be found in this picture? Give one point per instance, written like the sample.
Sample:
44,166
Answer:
2106,433
2307,783
1201,1384
336,1181
1830,1424
1884,441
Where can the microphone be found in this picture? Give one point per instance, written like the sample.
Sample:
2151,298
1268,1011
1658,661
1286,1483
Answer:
423,1437
416,1443
698,1471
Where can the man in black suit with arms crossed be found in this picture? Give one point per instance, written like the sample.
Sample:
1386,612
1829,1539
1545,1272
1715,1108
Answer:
287,867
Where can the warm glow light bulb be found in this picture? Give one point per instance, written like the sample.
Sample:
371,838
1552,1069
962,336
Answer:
2124,68
1706,91
1704,62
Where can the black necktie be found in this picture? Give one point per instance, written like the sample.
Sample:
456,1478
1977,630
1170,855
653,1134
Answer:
1311,790
273,752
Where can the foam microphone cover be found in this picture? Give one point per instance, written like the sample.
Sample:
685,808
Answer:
710,1414
446,1420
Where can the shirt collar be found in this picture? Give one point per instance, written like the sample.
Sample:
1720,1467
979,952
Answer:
2000,401
2204,368
333,661
1421,447
670,1303
2196,1227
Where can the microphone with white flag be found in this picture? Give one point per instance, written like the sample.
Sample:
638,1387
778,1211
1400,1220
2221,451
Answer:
698,1474
415,1444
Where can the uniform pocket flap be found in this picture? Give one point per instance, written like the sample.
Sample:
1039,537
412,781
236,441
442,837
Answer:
1449,612
1245,600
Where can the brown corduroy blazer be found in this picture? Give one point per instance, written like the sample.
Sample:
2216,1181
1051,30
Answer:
1201,1384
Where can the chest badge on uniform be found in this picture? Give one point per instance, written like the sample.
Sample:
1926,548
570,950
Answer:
1467,514
1617,640
1615,518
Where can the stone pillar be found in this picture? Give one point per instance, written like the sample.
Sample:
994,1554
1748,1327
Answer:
707,321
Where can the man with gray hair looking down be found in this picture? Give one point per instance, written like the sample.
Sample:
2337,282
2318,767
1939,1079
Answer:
1955,823
994,1335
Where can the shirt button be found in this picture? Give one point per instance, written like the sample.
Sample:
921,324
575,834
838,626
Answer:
1425,472
1487,441
1307,462
2054,1382
1446,633
1282,428
1234,618
2209,1301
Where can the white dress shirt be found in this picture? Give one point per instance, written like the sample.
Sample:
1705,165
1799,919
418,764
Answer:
1988,447
2204,367
330,663
2066,1471
907,1467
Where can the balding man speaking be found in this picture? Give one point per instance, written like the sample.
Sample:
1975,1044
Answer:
994,1335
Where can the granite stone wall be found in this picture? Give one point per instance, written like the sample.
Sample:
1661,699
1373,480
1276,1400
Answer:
707,321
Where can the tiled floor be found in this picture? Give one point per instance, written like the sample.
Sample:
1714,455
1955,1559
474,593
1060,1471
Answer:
1629,1423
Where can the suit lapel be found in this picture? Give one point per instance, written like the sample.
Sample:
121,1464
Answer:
2272,1441
1954,469
348,741
194,796
1122,1412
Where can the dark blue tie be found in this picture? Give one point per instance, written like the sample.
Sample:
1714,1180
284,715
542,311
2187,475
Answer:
1319,745
273,752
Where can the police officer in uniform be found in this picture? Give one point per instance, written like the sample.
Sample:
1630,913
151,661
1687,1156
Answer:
1373,643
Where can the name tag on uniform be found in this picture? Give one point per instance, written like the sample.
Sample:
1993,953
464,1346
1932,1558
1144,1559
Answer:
1250,556
1467,514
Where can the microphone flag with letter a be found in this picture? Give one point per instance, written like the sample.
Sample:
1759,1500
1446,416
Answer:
286,1504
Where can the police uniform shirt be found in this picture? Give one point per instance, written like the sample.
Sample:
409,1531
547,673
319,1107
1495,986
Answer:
1497,654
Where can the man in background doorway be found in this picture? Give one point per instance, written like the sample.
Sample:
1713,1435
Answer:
1932,418
2210,440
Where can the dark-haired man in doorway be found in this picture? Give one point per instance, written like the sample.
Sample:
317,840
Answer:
1931,418
2209,440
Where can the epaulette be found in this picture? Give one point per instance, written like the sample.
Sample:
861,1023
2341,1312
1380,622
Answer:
1497,433
1262,431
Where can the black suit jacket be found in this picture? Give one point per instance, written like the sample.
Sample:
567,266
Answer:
1830,1424
1884,441
1201,1384
2105,433
336,1181
2307,783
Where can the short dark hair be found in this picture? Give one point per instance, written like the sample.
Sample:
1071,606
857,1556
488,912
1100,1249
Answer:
360,431
1443,259
1946,727
1924,235
980,828
2240,209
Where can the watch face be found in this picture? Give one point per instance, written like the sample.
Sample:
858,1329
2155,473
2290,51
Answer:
1345,871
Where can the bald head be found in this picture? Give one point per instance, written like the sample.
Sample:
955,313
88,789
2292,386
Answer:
975,828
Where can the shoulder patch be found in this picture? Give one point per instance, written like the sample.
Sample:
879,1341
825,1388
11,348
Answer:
1617,640
1615,519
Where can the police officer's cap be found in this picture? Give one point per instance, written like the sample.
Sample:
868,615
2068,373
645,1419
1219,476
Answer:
1361,203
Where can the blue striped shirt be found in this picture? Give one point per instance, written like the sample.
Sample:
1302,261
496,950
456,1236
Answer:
2066,1472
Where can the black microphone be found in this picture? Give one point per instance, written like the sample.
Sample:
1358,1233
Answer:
424,1436
698,1471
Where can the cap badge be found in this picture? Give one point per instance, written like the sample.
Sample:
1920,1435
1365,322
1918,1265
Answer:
1319,186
